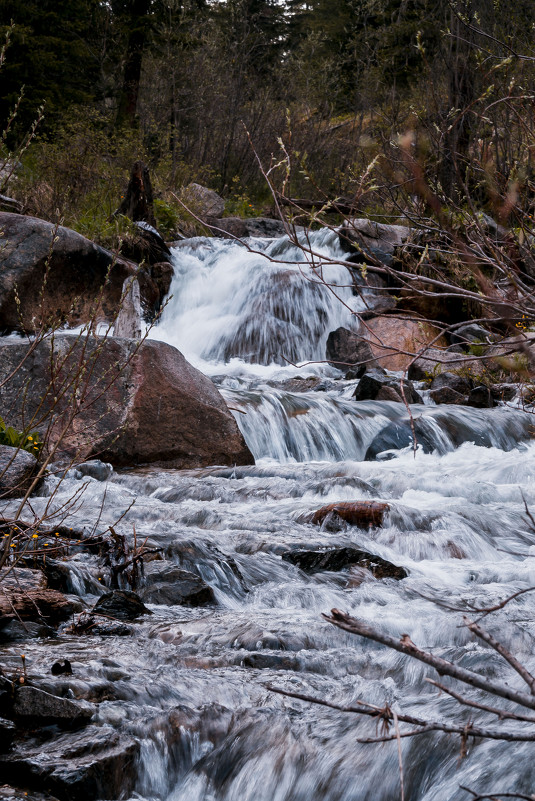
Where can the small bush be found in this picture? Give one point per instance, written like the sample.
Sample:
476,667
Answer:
20,439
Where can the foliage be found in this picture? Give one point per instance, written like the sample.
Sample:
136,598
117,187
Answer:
20,439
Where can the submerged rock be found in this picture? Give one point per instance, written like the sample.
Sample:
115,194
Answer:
336,559
121,605
95,468
144,403
168,584
358,513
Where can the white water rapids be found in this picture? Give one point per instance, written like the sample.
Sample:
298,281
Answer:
456,523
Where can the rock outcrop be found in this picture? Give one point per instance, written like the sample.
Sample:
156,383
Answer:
137,403
59,275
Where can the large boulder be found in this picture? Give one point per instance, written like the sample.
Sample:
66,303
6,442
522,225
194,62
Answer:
239,227
132,403
394,341
59,275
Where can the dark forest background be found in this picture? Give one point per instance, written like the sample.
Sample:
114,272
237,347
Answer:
188,86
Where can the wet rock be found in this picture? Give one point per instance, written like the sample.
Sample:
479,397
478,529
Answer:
345,349
16,470
61,668
77,271
93,625
209,723
157,408
97,763
336,559
101,471
12,630
504,392
49,606
393,340
7,733
146,247
357,513
265,227
121,605
310,384
162,274
168,584
32,706
447,395
398,435
8,793
458,383
374,385
480,397
265,661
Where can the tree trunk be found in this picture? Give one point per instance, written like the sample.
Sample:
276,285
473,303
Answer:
137,35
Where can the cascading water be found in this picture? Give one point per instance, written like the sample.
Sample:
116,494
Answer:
190,688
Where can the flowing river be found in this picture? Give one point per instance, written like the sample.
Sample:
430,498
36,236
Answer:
456,523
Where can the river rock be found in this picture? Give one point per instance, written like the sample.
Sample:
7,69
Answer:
358,513
144,403
395,340
121,605
16,470
345,349
447,395
374,385
162,274
32,706
168,584
95,468
480,397
77,272
83,766
336,559
12,630
459,383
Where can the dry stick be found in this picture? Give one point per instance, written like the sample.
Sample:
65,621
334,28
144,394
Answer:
507,655
442,666
386,714
492,797
503,714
